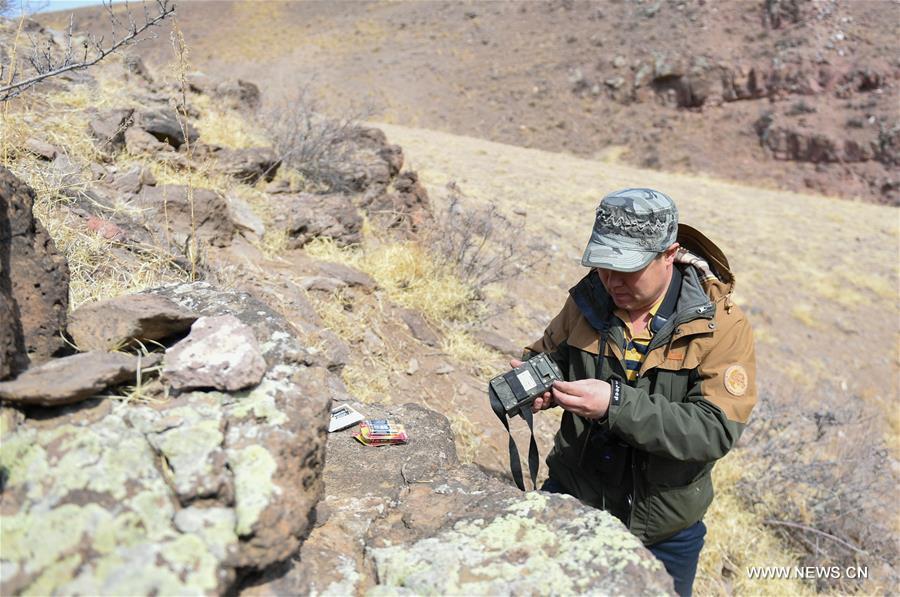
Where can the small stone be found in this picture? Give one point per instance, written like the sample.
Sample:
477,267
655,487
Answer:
499,343
74,378
321,283
412,367
351,276
619,61
41,149
103,228
243,216
118,322
220,352
444,369
419,327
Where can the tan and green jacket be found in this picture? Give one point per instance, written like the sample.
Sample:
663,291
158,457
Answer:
649,460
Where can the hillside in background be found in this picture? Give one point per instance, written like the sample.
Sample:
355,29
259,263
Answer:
791,94
362,303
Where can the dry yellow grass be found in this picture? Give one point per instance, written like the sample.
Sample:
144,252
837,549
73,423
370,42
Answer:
737,540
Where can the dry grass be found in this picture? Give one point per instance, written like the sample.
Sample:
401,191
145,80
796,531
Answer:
481,361
407,273
736,540
466,435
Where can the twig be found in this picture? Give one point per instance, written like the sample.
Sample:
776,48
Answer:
803,527
13,89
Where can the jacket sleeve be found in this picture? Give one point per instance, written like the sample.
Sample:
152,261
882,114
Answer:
715,411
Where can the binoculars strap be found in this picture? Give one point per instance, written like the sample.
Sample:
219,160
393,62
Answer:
515,465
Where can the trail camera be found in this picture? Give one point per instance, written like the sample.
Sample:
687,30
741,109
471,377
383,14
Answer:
518,388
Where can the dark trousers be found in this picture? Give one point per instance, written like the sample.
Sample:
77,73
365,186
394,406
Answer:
679,553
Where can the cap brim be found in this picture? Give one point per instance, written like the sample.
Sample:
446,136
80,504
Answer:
614,258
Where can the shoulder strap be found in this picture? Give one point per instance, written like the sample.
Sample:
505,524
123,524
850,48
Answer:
515,466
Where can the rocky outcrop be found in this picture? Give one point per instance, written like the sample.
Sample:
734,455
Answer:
410,519
173,495
37,274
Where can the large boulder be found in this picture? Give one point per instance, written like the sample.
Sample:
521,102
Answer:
409,519
168,209
37,277
171,495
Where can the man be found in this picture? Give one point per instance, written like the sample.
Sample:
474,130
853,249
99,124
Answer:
660,376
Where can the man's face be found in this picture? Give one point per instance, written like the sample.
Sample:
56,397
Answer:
636,291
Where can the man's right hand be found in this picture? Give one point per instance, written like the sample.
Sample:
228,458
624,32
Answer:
541,402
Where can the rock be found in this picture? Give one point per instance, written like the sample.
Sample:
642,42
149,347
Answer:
139,142
444,369
348,275
277,187
247,165
108,128
172,203
37,276
321,283
492,339
12,345
238,94
174,496
220,352
412,367
307,216
410,518
41,149
405,205
104,228
131,182
119,322
419,328
134,65
245,219
165,126
73,378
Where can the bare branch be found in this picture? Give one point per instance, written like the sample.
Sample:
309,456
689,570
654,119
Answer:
46,67
815,531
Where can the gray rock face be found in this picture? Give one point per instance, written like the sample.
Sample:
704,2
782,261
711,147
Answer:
244,218
163,124
171,204
220,352
307,216
410,520
108,128
73,378
247,165
171,496
117,322
37,274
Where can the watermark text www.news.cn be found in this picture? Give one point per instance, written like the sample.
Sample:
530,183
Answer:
808,572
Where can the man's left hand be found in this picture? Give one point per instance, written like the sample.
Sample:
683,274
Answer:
586,397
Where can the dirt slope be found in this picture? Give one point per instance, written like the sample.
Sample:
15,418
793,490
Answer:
790,94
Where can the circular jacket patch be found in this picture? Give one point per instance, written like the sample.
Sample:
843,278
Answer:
736,380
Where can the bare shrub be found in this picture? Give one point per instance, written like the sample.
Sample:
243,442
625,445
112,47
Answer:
824,483
48,60
481,244
317,146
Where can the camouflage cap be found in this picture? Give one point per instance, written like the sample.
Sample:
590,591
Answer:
632,227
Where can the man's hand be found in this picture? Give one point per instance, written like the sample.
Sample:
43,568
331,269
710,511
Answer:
586,397
540,403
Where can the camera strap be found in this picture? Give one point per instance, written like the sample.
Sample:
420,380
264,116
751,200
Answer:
515,465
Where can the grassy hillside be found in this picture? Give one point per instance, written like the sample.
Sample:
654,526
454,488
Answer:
818,277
